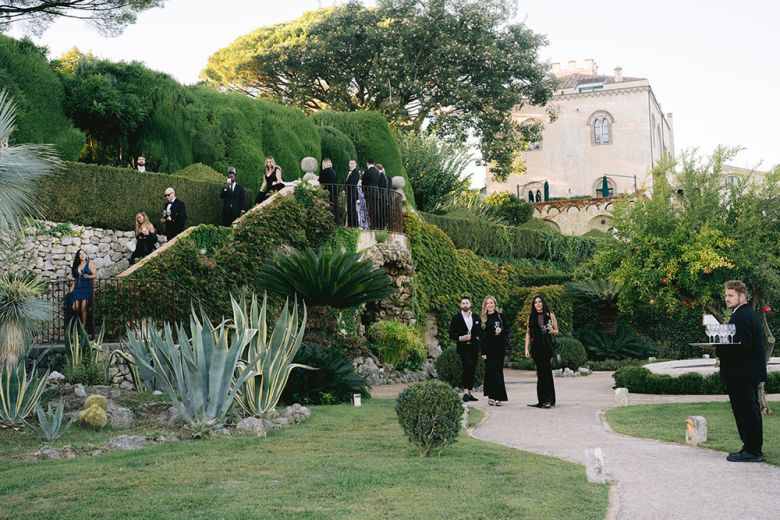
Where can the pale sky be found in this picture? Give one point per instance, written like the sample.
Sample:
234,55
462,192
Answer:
712,64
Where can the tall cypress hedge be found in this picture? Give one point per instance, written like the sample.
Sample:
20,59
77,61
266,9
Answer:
35,87
372,138
107,197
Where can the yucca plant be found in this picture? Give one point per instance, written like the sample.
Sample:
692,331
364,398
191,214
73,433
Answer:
22,312
602,295
273,355
197,369
325,278
83,356
50,422
19,393
20,166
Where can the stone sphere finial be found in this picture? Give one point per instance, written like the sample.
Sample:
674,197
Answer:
398,184
308,165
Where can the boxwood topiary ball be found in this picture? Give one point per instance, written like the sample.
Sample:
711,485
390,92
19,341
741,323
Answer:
429,414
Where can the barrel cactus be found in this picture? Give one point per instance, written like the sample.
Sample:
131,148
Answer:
94,417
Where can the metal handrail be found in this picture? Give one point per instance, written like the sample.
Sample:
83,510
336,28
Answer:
383,207
118,303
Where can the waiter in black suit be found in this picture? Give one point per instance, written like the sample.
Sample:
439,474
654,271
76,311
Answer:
350,188
174,214
742,368
465,331
232,196
371,179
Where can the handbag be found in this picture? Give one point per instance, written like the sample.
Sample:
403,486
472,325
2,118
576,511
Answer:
556,355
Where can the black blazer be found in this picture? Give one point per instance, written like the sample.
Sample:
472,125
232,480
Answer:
232,200
744,364
371,177
352,178
458,328
384,181
178,218
328,176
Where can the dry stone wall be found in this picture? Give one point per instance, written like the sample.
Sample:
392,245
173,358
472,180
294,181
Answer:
48,248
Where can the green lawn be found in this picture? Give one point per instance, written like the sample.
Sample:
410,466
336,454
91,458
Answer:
343,463
667,422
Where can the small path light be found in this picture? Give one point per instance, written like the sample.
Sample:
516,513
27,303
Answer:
695,430
357,400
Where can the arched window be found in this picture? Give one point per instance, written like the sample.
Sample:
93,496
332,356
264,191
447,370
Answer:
600,123
530,196
538,196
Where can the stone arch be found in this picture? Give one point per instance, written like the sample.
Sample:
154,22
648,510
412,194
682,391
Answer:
596,187
601,222
601,125
554,225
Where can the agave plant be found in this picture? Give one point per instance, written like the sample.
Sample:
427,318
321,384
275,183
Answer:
19,394
325,278
197,371
82,351
50,422
22,312
624,345
20,166
601,295
273,356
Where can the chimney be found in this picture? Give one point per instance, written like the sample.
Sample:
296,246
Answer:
590,66
572,66
618,74
556,68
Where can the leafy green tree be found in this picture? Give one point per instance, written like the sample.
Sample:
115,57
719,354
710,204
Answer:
456,64
509,208
109,16
678,247
435,167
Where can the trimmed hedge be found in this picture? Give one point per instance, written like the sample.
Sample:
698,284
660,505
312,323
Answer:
641,381
201,172
572,352
337,145
38,92
429,414
370,134
488,239
107,197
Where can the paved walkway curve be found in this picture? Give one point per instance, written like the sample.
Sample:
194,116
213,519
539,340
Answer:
652,479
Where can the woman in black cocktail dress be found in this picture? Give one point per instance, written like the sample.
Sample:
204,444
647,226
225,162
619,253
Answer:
493,344
538,344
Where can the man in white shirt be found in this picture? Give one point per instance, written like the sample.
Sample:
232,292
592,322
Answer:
465,331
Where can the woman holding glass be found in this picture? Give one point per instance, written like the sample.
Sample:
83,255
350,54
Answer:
538,344
493,344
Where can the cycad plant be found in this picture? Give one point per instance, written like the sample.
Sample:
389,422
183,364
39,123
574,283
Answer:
22,312
20,167
601,295
272,355
198,370
323,279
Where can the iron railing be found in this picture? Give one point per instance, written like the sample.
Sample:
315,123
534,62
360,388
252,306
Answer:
366,207
119,303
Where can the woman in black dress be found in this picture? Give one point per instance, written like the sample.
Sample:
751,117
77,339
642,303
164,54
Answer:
493,344
538,344
272,180
83,272
145,237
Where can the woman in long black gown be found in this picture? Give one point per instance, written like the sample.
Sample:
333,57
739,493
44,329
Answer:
272,180
538,344
493,344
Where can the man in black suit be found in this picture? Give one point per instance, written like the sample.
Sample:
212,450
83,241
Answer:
384,197
742,368
232,196
465,331
371,180
330,181
350,189
174,214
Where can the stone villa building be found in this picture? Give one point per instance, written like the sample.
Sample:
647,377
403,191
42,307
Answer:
607,126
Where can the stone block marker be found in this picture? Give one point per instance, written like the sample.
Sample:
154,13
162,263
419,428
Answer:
621,396
695,430
594,466
464,419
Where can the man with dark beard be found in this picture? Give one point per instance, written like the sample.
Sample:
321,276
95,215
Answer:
465,331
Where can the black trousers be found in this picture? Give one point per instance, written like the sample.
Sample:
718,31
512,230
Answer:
468,358
545,387
747,413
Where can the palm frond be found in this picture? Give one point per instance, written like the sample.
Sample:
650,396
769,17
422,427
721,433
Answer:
21,166
22,312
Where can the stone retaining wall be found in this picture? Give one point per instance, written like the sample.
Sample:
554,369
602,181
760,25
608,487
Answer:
48,248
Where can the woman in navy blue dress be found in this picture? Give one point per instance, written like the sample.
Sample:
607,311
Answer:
83,272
